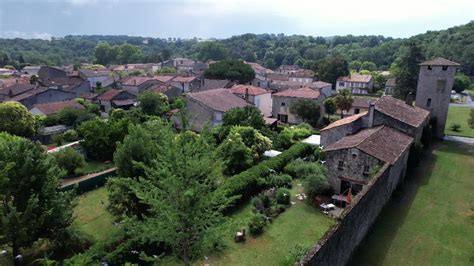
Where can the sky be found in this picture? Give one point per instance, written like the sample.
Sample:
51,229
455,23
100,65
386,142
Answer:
225,18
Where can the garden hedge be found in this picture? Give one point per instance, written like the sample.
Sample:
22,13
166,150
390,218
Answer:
252,181
90,184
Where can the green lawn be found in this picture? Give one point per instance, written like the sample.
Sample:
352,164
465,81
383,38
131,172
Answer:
430,220
92,217
459,115
299,224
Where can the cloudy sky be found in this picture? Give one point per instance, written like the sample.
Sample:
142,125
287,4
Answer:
224,18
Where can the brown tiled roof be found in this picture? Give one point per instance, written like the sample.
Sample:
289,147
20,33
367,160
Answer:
64,81
362,102
95,73
401,111
382,142
16,89
299,93
163,78
55,107
252,90
345,121
210,84
89,96
125,102
279,77
109,95
134,81
439,61
391,82
184,79
320,84
303,73
29,93
219,99
356,78
160,88
11,81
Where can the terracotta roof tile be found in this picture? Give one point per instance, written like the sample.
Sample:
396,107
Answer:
382,142
356,78
109,95
184,79
134,81
401,111
16,89
299,93
363,102
345,121
55,107
439,61
219,99
252,90
320,84
163,78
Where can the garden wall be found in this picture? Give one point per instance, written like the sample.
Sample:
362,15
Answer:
94,181
337,245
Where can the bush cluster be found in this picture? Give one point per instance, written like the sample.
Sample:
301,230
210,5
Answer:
257,178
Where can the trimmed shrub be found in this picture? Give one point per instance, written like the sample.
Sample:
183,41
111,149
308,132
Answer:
290,168
281,180
250,182
257,224
283,196
455,127
69,160
70,135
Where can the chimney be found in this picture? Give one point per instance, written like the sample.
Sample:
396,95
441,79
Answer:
134,82
409,98
371,115
247,94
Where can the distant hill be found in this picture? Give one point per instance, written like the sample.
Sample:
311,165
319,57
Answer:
270,50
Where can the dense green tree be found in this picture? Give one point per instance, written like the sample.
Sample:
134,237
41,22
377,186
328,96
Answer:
315,180
370,66
165,70
185,206
461,82
330,106
128,53
16,120
244,116
470,121
72,116
343,101
69,160
407,69
212,50
100,137
32,206
153,103
308,110
103,54
235,156
234,70
355,65
253,139
332,68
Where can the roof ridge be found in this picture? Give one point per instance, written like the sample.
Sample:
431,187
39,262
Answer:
377,129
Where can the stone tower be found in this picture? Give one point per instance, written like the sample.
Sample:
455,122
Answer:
435,83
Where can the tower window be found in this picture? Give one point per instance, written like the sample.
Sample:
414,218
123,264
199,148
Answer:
441,84
428,102
283,103
340,165
429,68
445,68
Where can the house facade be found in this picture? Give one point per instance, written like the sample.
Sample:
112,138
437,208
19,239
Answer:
136,85
43,95
116,99
94,76
284,99
261,98
208,107
356,83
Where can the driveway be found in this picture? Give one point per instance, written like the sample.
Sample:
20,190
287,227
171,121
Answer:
465,140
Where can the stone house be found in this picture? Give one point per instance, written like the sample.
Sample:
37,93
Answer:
344,127
324,87
288,69
71,84
435,83
284,99
14,90
116,99
136,85
30,70
401,116
48,72
360,104
54,107
186,84
209,107
43,95
390,86
352,160
356,83
211,84
302,76
260,71
168,90
94,76
259,97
